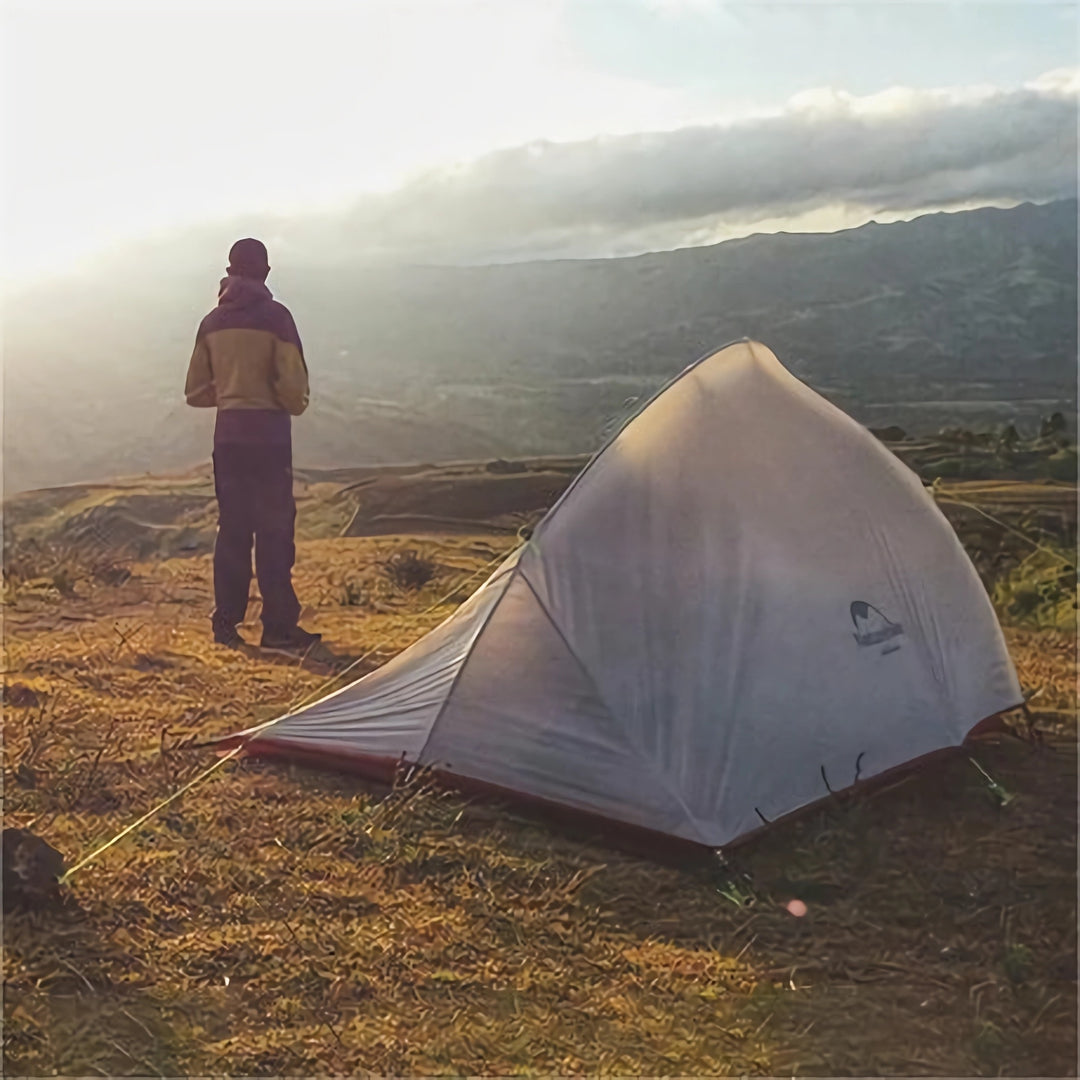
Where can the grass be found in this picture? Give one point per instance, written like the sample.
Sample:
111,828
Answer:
280,921
1041,590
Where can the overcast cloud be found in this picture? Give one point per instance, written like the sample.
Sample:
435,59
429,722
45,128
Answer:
902,150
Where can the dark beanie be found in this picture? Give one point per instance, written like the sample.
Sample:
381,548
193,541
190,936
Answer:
248,258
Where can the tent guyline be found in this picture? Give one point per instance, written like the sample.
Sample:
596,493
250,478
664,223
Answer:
239,748
321,690
943,496
157,808
698,617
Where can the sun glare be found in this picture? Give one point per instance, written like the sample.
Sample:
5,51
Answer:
127,121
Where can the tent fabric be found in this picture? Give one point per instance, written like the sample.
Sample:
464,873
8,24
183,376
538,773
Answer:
743,601
526,716
391,711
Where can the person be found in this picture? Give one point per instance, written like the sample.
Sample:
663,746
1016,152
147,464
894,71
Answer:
248,363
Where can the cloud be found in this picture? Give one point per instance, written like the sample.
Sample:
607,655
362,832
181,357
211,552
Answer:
881,154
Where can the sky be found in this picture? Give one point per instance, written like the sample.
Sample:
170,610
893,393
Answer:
465,131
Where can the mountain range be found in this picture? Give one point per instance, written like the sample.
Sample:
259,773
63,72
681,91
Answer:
964,318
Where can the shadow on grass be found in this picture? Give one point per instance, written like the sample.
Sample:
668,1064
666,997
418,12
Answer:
940,930
66,1013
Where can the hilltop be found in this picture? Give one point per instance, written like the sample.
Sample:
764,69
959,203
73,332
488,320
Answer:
280,921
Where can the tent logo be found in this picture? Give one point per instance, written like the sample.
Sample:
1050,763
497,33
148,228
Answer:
872,628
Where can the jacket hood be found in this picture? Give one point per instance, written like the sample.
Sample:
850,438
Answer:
242,292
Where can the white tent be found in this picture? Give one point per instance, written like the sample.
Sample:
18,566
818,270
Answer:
743,601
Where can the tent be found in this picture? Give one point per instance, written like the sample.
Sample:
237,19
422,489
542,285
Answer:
743,602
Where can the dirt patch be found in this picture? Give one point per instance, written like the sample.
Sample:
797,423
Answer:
485,497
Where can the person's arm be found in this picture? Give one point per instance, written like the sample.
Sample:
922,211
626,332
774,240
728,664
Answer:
199,389
290,369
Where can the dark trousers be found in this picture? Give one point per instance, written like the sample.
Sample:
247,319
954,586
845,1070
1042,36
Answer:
254,485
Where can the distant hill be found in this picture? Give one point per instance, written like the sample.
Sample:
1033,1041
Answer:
963,318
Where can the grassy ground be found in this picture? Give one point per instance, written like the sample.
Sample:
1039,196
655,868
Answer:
279,921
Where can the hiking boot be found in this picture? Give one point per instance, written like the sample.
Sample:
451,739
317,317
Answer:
228,636
295,641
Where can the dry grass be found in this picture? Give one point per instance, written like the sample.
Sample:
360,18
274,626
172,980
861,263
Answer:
278,921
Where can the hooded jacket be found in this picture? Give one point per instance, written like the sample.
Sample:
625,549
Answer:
248,363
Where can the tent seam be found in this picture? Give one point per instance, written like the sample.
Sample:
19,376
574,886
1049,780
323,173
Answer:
534,542
629,420
468,654
650,766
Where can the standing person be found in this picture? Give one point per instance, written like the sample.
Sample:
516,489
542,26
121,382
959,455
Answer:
248,363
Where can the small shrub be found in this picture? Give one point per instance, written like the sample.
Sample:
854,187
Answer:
500,465
1052,425
60,565
1040,591
20,696
64,579
353,593
892,433
1017,962
408,569
112,574
988,1042
1062,465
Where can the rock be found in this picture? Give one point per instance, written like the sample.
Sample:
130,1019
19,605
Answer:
19,696
146,663
32,869
1063,968
25,777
